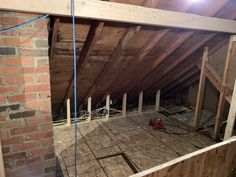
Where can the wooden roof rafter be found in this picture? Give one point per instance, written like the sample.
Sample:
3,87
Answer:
93,34
114,58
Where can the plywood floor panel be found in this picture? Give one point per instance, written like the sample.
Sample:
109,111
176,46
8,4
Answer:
102,143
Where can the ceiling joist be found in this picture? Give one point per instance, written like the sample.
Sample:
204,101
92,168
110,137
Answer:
118,12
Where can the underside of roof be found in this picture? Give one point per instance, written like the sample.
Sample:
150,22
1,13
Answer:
116,58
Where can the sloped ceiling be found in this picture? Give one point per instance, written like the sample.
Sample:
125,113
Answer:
124,58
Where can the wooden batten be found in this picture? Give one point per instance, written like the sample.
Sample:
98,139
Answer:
140,102
158,96
68,113
108,106
124,104
231,116
89,108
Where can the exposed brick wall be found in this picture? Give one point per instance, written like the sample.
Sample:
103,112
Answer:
25,104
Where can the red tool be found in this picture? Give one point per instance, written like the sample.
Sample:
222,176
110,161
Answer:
157,124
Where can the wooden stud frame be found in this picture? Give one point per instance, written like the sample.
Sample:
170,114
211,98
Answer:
201,89
223,91
231,116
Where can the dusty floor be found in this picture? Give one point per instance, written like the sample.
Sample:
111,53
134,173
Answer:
122,146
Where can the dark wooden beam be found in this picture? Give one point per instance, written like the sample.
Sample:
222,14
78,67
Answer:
114,59
93,34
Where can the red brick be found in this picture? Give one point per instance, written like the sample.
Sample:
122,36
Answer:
2,117
33,52
41,24
11,20
16,42
4,134
17,131
44,78
37,104
10,70
45,127
37,136
1,100
13,140
23,79
34,33
23,162
12,156
42,151
22,97
37,88
9,33
18,61
35,121
4,90
42,70
45,95
29,70
24,146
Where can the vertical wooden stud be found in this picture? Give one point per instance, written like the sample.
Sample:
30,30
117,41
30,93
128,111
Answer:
231,116
108,106
124,104
89,108
68,118
140,102
201,88
2,169
221,102
157,105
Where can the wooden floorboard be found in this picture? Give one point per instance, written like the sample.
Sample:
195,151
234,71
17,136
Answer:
104,144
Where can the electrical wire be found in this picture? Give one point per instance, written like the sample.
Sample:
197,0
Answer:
23,24
75,82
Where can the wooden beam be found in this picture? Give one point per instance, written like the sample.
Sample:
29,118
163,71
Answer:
231,116
140,102
199,163
89,108
186,66
68,114
114,58
2,169
215,79
54,40
158,97
201,90
108,106
93,34
118,12
221,102
148,83
158,61
124,104
130,69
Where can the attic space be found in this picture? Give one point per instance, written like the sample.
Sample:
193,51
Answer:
117,88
